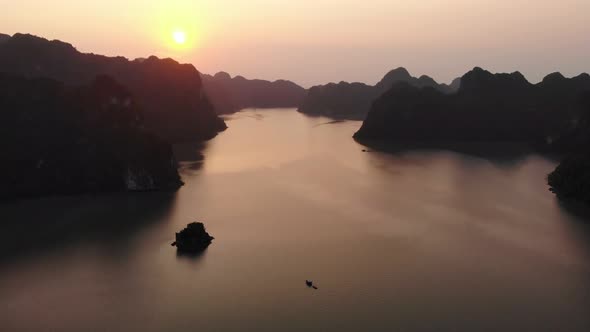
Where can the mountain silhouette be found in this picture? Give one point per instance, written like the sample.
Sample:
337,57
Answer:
171,94
229,94
61,139
353,100
487,107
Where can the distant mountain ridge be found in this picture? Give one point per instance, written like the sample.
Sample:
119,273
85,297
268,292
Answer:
170,94
353,100
401,74
229,94
487,107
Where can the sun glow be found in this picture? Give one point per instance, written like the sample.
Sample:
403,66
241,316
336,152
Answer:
179,27
179,37
180,40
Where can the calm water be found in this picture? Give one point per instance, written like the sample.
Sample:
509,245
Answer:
413,241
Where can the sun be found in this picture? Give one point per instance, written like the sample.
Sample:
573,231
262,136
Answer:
179,37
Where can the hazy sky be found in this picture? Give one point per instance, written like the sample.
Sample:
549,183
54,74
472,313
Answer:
317,41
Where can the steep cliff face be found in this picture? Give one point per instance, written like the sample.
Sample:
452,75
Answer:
58,139
487,107
170,94
571,179
229,94
353,100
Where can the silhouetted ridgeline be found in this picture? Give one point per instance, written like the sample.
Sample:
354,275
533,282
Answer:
229,94
171,94
353,100
58,139
487,107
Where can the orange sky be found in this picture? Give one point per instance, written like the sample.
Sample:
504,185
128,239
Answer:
317,41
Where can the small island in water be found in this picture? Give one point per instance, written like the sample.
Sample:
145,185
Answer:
193,239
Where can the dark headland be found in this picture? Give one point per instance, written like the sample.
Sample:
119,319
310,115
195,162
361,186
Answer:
59,139
487,107
171,95
76,123
570,181
549,117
